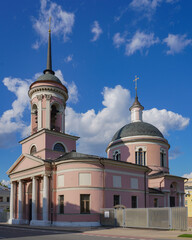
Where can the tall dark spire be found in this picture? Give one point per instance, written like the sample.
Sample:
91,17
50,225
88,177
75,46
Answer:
49,59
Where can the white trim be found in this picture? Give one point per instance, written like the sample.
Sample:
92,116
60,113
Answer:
33,144
76,224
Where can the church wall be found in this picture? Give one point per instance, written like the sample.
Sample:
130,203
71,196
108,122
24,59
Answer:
160,200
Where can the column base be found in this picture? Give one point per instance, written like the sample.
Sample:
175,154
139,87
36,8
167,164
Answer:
40,223
18,221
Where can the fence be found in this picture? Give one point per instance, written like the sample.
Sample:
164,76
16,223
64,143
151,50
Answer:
4,216
160,218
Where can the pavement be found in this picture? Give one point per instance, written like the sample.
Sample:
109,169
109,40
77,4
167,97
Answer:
120,232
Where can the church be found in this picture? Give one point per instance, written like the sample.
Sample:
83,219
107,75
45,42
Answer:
53,184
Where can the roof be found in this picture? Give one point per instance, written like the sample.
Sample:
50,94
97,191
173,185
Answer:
76,155
137,129
48,77
155,191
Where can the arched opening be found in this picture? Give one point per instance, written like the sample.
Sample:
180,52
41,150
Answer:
33,150
140,156
117,155
59,147
54,112
34,112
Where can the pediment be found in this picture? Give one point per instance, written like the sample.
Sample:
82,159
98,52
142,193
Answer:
25,162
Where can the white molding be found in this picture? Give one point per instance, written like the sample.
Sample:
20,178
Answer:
33,144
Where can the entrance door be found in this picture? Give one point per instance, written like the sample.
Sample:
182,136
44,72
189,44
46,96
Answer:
30,210
172,201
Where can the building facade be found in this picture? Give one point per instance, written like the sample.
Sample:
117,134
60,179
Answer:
51,183
4,199
188,197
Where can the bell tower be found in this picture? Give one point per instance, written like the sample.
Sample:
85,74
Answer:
48,97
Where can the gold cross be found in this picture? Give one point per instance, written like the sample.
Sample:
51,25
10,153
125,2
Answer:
135,80
49,24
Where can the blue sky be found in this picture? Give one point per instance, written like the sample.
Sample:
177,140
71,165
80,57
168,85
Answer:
97,48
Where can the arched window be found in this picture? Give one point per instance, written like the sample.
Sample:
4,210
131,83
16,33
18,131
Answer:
140,156
33,150
54,112
117,155
59,147
34,112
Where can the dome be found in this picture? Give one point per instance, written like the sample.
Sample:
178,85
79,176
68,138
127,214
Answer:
48,77
137,129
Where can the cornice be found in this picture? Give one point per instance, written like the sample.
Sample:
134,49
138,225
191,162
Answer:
48,88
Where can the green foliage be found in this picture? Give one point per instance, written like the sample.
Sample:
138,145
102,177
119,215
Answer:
3,185
186,235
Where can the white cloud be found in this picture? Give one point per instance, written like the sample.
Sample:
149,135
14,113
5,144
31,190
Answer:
61,22
11,120
97,129
96,30
165,120
72,88
176,43
187,175
69,58
118,40
175,153
5,182
139,42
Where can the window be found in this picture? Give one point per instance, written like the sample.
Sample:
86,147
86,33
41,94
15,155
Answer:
117,181
1,199
134,183
33,150
172,201
140,156
162,157
155,202
134,201
84,203
61,204
117,155
59,147
7,199
84,179
116,200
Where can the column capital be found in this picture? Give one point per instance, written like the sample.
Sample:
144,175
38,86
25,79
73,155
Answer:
40,97
48,96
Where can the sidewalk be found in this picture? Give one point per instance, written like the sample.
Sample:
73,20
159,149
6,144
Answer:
112,232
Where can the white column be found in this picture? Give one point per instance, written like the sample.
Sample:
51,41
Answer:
11,203
39,97
20,198
179,199
48,111
45,197
34,197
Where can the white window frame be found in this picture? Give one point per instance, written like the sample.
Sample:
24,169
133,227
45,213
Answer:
164,152
144,150
117,153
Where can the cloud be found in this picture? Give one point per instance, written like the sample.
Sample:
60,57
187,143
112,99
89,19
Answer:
72,88
61,22
96,30
97,129
176,43
11,120
69,58
187,175
139,42
175,153
165,120
118,40
148,7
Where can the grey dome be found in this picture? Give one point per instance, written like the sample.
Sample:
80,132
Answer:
137,129
48,77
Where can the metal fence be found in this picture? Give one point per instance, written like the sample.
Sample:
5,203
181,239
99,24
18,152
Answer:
4,216
159,218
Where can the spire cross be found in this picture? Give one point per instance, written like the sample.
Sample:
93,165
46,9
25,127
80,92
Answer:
135,80
49,24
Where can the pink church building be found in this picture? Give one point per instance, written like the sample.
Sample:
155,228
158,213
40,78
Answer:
52,184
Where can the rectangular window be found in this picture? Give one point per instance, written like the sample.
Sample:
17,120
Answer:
1,199
7,199
61,204
117,181
84,203
134,201
172,201
134,183
84,179
162,159
116,200
155,202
